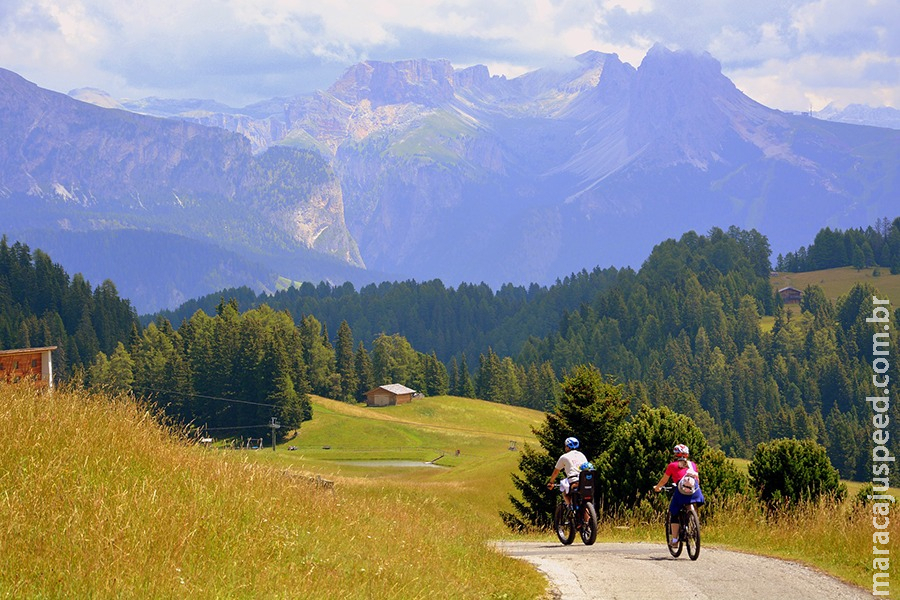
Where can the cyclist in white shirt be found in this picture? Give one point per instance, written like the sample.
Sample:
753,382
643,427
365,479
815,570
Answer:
570,464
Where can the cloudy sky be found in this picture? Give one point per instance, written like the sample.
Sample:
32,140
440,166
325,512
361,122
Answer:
787,54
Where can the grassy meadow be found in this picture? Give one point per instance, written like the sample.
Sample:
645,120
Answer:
98,500
837,282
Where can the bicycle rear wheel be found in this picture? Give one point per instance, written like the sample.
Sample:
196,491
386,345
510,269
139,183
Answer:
564,524
589,524
675,550
692,535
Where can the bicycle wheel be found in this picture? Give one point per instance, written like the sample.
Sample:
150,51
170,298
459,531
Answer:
675,550
589,524
564,524
692,535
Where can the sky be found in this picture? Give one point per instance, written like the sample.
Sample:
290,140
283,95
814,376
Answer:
787,54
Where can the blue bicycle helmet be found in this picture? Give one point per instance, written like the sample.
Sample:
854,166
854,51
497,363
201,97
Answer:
571,443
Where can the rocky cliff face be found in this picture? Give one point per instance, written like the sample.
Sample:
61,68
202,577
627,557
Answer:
71,166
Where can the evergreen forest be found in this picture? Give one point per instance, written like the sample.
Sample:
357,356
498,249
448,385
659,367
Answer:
877,246
40,305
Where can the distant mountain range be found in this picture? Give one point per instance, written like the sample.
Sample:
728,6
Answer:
415,169
860,114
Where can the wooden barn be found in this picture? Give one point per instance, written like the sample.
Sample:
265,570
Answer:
790,295
389,395
27,364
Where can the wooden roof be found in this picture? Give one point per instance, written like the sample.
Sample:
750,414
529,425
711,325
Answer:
393,388
27,350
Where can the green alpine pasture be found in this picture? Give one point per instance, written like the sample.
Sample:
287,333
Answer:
838,282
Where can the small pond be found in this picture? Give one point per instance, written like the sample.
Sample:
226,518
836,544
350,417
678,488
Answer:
391,463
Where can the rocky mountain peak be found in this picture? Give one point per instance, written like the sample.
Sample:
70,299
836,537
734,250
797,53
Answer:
426,82
683,106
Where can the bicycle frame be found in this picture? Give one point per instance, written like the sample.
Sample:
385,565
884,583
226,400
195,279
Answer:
689,528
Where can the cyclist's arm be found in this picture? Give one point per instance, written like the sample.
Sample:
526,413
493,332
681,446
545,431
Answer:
662,481
553,478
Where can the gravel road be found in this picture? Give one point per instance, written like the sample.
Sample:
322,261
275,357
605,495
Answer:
629,571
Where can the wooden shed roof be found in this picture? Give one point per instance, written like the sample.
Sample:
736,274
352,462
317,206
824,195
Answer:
27,350
393,388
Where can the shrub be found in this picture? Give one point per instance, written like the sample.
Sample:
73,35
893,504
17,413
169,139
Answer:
791,471
720,478
640,451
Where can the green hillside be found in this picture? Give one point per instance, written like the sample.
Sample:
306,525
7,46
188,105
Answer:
99,501
839,281
487,436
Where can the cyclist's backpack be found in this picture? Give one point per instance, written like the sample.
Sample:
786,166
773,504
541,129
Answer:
586,481
687,485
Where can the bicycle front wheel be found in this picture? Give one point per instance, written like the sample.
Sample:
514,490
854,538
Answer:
564,524
589,524
692,535
675,550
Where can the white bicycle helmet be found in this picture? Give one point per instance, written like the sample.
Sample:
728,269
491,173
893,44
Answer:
571,443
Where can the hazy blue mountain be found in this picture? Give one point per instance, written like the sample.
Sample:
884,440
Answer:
464,176
418,169
67,166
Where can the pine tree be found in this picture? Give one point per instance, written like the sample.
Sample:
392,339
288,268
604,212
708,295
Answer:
319,358
453,372
590,409
346,368
436,380
364,372
466,386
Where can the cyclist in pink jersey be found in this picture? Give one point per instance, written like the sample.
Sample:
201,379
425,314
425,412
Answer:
687,491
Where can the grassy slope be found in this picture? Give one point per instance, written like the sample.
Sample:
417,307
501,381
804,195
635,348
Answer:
96,500
424,430
837,282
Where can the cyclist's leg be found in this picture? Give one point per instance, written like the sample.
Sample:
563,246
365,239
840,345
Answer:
674,508
573,489
564,489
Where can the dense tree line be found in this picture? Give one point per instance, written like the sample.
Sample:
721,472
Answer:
236,370
685,332
468,319
877,246
232,372
40,305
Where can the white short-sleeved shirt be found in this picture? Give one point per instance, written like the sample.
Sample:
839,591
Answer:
570,464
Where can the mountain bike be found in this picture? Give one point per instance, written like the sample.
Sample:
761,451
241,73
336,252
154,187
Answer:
689,531
579,517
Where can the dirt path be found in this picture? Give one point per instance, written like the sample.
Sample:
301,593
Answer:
630,571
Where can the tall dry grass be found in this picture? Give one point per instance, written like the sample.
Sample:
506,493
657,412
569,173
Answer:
98,500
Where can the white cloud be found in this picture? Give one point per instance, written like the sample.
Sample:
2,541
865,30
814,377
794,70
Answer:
816,81
781,52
